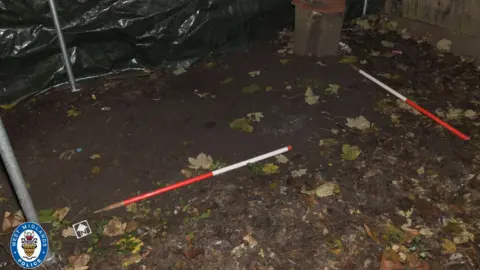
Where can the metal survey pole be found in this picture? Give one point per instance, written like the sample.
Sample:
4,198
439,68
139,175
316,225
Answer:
19,186
66,59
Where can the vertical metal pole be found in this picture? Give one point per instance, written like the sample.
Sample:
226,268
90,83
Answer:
365,5
16,178
66,59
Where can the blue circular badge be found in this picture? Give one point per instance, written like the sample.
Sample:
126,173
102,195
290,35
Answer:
29,245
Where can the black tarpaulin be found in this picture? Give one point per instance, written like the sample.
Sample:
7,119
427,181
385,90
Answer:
110,36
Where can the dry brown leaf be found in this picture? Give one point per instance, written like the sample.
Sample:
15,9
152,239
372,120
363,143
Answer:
132,226
369,232
68,232
61,213
12,220
78,262
114,227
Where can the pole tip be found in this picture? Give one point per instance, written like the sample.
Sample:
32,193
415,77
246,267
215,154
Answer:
354,67
108,208
289,147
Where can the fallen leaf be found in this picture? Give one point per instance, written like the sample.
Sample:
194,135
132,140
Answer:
12,220
203,161
392,25
94,156
8,106
67,155
299,173
269,88
251,89
227,80
349,59
61,213
46,216
281,159
252,243
421,170
332,89
79,262
324,190
68,232
284,61
242,124
210,65
369,232
360,123
130,244
448,246
73,112
310,98
254,73
454,113
255,117
179,71
388,44
132,225
270,168
375,53
328,142
363,23
444,45
132,259
114,227
350,152
186,173
470,114
427,232
95,170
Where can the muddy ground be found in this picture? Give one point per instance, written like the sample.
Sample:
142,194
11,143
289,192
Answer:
394,190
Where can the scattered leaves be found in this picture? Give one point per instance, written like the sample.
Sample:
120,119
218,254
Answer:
284,61
350,152
251,89
363,23
46,216
114,227
242,124
203,161
310,97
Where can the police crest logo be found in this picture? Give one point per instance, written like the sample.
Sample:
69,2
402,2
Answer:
29,245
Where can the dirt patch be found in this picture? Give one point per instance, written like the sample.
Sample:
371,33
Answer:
399,192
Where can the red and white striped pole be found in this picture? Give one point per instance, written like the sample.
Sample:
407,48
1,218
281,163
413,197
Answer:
414,105
195,179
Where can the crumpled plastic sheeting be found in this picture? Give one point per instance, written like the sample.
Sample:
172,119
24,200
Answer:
110,36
